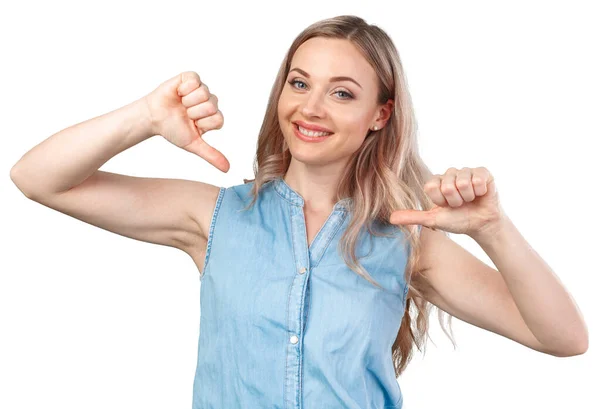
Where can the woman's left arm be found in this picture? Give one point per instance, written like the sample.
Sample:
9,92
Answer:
523,300
545,305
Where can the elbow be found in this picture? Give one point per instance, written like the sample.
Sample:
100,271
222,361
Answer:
14,176
577,348
583,346
584,342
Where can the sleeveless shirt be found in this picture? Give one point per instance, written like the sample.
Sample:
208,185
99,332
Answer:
285,325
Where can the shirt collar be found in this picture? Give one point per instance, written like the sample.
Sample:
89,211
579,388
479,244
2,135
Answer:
294,198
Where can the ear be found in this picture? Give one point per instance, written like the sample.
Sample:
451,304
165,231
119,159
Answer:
384,112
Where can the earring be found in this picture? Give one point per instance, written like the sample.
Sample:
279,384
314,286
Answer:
375,128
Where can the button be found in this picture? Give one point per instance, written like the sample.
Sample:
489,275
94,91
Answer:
294,339
303,270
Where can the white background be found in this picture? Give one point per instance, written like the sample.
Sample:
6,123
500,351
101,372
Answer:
91,319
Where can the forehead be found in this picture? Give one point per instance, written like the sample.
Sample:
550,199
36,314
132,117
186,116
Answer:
324,57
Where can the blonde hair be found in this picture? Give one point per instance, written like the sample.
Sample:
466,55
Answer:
385,174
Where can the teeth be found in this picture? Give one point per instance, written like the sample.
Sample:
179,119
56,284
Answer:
306,132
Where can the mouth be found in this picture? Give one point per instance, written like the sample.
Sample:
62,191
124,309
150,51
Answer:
309,133
310,137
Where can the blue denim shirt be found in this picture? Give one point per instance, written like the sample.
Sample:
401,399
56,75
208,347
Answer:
285,325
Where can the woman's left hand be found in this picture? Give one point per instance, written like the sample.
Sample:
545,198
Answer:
467,203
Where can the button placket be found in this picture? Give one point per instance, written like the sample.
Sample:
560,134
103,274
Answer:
296,309
306,258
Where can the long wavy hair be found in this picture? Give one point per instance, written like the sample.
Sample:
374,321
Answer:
385,174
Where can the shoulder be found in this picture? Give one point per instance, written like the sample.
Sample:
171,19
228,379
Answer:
432,244
441,259
208,200
204,198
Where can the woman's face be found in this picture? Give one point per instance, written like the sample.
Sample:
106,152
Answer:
345,107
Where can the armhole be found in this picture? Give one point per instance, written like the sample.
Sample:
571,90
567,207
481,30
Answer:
211,230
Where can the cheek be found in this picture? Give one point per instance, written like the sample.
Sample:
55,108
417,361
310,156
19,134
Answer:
283,106
355,124
280,112
355,127
283,117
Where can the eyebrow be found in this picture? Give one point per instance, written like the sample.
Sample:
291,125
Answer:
332,79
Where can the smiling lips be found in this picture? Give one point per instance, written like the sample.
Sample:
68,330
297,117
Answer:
311,134
311,127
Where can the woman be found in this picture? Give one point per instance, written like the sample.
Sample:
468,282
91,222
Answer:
309,270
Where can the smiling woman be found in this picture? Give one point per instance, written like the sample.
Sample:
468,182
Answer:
319,100
338,146
309,270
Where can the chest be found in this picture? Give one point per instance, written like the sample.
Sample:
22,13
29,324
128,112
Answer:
314,222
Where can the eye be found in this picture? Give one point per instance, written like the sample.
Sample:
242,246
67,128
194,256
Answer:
295,81
349,96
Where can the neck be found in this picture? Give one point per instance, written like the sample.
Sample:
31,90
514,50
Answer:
316,184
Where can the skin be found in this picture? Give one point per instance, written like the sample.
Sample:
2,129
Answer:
347,109
521,300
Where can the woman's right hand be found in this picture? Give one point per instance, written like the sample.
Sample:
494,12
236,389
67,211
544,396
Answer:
181,110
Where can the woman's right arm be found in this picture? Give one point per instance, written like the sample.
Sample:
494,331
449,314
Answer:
62,171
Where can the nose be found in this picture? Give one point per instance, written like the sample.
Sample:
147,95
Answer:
313,106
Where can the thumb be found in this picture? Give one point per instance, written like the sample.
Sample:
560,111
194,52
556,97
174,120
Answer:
410,217
212,155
